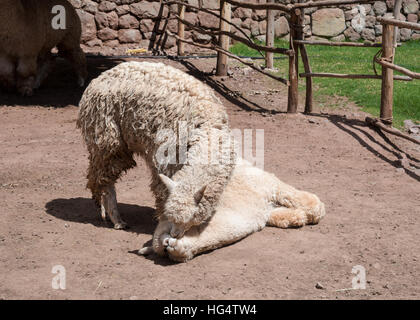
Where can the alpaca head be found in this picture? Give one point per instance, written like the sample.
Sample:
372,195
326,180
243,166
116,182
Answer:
183,201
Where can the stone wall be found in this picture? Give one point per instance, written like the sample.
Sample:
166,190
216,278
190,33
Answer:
358,21
113,26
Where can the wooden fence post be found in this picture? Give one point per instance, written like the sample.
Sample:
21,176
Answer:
396,13
387,74
292,101
222,59
181,30
269,42
306,65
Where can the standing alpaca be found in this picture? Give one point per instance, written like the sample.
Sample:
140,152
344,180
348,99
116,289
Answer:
124,111
251,200
27,37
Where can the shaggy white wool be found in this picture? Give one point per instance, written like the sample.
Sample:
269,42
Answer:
251,200
123,112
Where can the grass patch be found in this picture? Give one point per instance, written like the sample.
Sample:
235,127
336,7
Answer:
364,92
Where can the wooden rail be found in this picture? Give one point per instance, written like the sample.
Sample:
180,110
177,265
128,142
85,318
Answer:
327,3
349,76
262,6
338,44
399,23
409,73
377,123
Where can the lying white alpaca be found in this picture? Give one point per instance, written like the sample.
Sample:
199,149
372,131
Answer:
123,112
251,200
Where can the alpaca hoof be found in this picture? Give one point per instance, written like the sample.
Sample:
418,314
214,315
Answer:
103,214
145,251
178,249
120,226
81,82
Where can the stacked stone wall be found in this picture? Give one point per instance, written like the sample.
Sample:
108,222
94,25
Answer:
113,26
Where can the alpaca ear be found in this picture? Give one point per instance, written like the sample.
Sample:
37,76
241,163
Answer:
199,195
168,182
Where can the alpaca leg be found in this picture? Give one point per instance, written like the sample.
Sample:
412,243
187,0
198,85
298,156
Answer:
287,218
313,207
298,208
103,172
214,235
224,228
77,58
109,207
26,72
161,233
7,73
79,61
289,197
44,68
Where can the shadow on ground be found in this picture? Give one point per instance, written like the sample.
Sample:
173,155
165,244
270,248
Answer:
83,210
60,89
355,126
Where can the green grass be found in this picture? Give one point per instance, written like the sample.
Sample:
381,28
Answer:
364,92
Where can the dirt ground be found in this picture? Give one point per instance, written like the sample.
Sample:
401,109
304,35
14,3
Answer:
372,201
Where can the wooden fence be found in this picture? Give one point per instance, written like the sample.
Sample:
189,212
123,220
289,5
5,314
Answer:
295,14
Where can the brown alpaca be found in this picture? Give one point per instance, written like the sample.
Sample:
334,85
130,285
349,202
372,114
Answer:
27,37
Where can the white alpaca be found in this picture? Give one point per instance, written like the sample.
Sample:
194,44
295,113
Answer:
124,111
251,200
